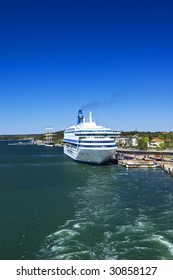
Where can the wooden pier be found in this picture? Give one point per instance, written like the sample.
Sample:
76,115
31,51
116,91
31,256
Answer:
145,159
168,167
137,163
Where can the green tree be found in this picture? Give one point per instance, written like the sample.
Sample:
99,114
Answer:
143,143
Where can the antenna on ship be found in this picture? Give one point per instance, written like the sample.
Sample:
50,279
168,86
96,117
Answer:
80,117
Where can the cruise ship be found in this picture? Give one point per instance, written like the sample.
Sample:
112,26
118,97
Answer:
89,142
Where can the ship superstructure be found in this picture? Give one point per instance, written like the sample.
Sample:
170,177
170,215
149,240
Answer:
89,142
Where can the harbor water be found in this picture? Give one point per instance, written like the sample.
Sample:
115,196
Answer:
52,207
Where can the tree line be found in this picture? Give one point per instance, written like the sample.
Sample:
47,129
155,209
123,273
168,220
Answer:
146,137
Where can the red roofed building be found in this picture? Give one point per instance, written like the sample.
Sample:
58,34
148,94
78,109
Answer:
156,142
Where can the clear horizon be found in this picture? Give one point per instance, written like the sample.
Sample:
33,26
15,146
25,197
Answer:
111,57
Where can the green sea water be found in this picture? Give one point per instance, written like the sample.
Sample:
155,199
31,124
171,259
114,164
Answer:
52,207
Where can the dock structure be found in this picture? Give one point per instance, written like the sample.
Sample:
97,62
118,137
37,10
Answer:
136,152
168,167
131,158
133,163
137,163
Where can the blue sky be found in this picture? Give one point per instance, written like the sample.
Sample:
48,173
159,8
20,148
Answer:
112,57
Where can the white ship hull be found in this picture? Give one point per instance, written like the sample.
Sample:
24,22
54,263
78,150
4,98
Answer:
87,155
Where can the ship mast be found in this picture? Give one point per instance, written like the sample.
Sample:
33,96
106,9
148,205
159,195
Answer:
49,134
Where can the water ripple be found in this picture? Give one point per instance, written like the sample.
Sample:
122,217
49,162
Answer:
115,218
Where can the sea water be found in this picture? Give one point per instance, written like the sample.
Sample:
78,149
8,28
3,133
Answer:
52,207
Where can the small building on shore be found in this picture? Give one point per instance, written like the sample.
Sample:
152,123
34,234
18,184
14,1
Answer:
128,141
156,143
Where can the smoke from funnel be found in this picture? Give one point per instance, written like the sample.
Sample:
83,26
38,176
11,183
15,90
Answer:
91,105
100,103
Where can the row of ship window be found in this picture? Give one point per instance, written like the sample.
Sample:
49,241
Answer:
97,141
78,131
90,146
83,141
97,146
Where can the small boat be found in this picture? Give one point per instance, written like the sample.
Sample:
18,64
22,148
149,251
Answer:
49,144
